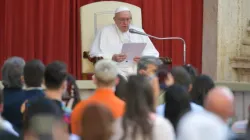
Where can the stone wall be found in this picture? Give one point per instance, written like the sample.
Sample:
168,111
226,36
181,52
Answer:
225,28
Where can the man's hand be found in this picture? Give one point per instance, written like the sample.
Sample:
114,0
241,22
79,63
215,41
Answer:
119,57
137,59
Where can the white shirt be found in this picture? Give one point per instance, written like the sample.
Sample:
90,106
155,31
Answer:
162,130
202,126
109,41
7,126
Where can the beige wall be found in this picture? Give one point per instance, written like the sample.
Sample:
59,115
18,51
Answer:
225,23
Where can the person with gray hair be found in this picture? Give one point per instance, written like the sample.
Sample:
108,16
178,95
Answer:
105,79
106,74
148,66
12,72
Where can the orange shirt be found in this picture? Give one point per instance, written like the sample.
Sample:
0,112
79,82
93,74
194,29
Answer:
104,96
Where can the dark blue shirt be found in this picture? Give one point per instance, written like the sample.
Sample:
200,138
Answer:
33,93
13,99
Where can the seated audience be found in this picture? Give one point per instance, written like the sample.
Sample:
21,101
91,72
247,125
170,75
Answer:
105,78
177,104
12,80
55,78
43,120
181,77
201,126
148,66
220,101
7,132
139,121
97,123
201,86
33,77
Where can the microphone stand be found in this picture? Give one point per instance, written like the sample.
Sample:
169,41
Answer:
168,38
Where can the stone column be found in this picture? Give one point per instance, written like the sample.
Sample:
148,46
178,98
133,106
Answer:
224,27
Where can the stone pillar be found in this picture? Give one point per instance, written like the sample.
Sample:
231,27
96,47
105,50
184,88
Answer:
224,29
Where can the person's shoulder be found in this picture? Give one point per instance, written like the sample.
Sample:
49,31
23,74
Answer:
108,28
81,105
159,120
163,127
196,107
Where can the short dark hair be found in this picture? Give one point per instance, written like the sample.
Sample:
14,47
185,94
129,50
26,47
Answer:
55,74
40,106
181,77
191,70
33,73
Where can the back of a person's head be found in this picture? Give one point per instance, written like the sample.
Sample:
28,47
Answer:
148,60
12,71
220,100
96,123
139,94
177,104
55,74
41,106
120,87
46,127
191,70
33,73
181,77
106,73
202,126
201,86
40,117
139,103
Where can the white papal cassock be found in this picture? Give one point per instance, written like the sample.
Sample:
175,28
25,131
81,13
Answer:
109,41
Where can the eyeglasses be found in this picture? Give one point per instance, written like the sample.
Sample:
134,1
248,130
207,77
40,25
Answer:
124,19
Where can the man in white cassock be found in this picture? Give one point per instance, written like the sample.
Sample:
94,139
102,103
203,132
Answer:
109,41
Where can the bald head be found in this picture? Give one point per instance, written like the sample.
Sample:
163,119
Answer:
220,100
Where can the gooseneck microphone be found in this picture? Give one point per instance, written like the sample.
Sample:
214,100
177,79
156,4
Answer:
133,31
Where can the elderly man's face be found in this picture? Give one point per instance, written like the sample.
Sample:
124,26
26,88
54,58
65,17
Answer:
123,20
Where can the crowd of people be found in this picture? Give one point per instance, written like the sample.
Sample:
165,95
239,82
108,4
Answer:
41,102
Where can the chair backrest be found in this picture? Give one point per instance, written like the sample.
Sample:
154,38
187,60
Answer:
95,16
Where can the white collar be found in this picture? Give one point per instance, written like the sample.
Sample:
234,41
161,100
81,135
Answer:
33,88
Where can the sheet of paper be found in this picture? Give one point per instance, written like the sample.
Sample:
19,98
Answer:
132,50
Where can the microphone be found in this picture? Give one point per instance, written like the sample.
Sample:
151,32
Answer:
133,31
